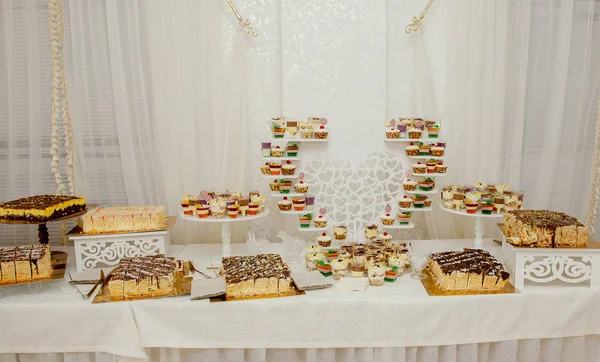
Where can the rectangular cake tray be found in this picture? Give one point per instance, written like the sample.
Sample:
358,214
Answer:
78,231
66,217
58,262
183,286
293,292
591,243
433,289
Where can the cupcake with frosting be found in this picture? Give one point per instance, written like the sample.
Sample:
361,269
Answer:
392,133
437,151
441,168
376,276
409,185
321,133
274,185
412,150
265,169
419,168
324,240
427,202
284,204
387,219
301,187
385,237
339,266
321,221
288,168
405,202
414,133
276,151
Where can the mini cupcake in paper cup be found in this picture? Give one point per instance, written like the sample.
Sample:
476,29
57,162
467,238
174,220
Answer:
409,185
392,133
441,168
301,187
288,168
414,133
321,133
405,202
438,151
324,240
265,169
412,150
419,168
387,219
321,221
274,185
284,204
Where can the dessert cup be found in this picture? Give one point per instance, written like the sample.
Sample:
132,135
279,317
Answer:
376,276
339,232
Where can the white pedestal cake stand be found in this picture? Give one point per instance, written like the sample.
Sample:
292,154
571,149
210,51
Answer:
478,221
225,226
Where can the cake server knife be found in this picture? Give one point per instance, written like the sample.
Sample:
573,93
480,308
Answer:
75,285
193,269
101,281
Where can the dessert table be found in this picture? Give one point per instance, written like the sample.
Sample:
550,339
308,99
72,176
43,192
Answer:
398,321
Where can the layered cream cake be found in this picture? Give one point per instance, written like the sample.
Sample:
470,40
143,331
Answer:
24,263
260,275
141,276
467,270
544,229
124,219
41,207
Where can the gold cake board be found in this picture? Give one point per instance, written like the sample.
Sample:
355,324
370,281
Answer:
183,286
294,291
58,263
433,289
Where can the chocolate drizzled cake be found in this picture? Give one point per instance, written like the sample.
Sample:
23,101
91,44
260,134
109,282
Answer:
467,270
41,207
544,229
144,276
260,275
24,263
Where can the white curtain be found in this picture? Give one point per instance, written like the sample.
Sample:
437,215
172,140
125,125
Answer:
555,59
25,109
197,67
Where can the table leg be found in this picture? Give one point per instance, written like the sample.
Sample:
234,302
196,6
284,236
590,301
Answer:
226,239
43,234
479,231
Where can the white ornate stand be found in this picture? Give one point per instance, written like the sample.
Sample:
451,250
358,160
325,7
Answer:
478,222
95,251
225,226
544,265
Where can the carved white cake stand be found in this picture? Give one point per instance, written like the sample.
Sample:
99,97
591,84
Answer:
478,221
225,226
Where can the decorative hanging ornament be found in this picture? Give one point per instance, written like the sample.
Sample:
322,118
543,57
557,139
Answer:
301,176
323,121
322,211
388,208
408,173
393,122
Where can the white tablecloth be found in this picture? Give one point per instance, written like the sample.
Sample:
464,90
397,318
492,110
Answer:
325,324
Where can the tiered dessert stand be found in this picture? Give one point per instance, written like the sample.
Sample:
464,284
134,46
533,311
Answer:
406,139
479,216
225,226
297,175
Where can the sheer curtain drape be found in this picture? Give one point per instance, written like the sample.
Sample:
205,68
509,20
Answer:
556,43
25,109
